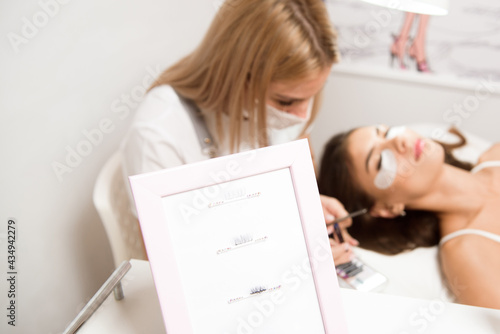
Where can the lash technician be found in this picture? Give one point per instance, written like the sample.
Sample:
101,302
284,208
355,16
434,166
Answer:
254,80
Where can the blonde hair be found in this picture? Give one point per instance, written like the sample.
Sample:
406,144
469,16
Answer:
250,44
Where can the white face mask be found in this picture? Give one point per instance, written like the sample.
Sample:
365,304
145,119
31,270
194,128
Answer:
278,119
283,127
388,163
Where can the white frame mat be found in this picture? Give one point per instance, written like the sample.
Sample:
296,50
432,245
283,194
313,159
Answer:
238,244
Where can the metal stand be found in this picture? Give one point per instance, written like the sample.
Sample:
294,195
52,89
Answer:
112,284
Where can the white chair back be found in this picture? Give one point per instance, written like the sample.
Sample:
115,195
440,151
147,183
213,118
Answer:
111,201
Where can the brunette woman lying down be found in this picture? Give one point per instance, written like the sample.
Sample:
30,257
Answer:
418,195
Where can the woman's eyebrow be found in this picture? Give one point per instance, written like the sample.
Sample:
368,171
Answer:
283,97
371,151
368,159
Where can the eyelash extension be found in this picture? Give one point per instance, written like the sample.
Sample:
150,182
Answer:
255,291
285,103
242,241
234,199
349,269
379,163
387,132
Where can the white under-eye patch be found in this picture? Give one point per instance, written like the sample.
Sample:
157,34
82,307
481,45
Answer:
388,169
395,131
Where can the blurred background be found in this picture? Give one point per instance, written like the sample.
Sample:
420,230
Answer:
72,74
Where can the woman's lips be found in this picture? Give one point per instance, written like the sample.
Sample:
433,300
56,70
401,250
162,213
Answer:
419,148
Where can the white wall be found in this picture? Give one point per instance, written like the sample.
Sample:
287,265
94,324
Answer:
356,96
66,67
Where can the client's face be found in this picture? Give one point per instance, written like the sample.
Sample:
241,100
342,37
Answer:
394,163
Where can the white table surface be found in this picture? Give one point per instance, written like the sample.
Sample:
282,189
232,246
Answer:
139,312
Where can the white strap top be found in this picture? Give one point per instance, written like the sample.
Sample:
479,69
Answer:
485,164
486,234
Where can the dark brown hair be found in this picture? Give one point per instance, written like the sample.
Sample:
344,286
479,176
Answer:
389,236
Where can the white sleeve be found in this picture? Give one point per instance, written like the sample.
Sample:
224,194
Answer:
154,141
161,136
147,149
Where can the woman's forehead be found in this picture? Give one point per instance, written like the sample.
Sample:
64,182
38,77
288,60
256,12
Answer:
359,140
360,143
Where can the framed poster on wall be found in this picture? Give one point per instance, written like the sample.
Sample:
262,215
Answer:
238,244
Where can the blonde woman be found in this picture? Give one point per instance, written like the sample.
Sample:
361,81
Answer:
255,80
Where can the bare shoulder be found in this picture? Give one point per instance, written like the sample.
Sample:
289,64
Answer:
468,247
458,249
471,271
493,153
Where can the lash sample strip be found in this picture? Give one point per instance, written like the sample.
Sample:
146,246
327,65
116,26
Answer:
241,242
256,291
239,198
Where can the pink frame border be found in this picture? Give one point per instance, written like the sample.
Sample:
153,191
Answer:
148,190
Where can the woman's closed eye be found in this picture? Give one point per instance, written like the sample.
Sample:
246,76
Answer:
385,135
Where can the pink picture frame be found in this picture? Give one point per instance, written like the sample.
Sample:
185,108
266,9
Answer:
238,244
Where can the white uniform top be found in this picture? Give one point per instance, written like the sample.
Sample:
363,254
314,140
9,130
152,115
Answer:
162,135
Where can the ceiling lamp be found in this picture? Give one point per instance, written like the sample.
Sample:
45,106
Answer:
429,7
